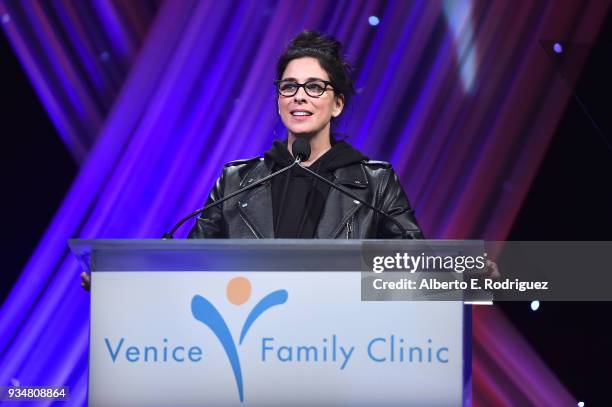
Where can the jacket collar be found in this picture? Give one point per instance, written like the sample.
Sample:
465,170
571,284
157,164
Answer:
353,175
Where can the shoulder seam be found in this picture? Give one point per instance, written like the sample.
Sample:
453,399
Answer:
377,163
243,161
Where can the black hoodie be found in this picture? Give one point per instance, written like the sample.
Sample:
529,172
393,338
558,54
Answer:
298,198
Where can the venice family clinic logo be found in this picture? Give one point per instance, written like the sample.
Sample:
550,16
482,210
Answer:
238,292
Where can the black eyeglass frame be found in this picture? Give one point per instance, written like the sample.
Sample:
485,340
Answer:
303,85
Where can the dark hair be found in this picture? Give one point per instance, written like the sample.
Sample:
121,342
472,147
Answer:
328,51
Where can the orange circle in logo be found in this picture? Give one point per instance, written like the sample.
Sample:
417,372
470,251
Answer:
238,290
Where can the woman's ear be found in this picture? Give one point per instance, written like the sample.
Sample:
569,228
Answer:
338,106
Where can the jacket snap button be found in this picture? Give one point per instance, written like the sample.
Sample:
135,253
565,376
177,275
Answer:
356,201
244,205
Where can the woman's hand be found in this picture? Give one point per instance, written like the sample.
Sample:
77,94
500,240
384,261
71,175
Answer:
489,271
492,271
85,281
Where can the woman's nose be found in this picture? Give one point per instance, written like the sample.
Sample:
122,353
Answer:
300,95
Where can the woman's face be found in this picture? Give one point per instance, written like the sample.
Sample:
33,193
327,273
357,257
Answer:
319,110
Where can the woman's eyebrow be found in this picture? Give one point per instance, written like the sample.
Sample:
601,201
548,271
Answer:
307,80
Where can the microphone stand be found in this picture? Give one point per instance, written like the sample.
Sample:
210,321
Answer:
170,234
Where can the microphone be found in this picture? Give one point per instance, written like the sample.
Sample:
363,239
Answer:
301,149
301,152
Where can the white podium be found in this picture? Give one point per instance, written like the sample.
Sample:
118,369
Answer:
262,323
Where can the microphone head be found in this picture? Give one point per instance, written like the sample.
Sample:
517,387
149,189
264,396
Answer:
301,149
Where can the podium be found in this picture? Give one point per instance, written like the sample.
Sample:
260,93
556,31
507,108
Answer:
262,323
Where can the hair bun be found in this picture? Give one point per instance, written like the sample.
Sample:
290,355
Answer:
309,39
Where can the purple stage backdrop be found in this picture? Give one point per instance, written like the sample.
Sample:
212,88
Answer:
152,97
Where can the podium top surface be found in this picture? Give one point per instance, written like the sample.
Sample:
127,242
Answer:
239,254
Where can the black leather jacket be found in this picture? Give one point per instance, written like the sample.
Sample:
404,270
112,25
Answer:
249,215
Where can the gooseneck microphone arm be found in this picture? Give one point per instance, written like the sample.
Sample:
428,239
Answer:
170,234
406,234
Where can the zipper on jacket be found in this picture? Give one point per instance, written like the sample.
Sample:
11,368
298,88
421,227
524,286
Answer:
349,227
344,222
244,219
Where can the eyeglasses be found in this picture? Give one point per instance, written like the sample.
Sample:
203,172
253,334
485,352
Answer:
314,88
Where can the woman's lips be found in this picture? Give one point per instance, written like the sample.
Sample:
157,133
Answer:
301,116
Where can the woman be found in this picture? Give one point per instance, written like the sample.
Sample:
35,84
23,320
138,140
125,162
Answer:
313,88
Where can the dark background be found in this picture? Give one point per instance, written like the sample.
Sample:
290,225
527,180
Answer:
570,199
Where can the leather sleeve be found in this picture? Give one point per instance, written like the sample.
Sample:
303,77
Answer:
395,203
211,223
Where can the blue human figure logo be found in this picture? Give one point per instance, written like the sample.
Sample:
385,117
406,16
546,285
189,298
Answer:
238,292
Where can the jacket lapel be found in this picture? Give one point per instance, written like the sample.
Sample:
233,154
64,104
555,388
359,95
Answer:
255,206
339,208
